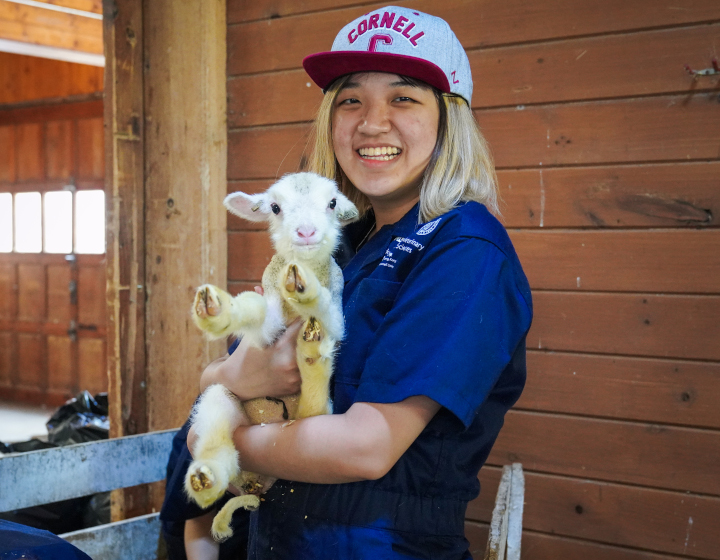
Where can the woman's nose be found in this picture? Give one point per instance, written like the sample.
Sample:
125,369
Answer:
374,121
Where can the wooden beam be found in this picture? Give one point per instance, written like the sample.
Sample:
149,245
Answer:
186,181
92,6
52,29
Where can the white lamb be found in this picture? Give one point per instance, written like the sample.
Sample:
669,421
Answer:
305,213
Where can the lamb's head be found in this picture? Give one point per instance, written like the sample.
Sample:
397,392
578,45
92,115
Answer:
305,212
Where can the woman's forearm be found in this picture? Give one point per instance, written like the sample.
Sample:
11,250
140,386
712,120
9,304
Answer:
362,444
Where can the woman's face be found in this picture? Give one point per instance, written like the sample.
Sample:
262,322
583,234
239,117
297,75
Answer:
384,133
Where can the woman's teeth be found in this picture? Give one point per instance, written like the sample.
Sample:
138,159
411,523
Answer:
382,154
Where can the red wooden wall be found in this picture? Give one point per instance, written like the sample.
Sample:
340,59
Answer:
45,145
608,155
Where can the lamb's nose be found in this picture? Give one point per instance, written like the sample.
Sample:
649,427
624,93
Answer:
305,232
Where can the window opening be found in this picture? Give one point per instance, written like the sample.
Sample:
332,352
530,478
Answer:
53,222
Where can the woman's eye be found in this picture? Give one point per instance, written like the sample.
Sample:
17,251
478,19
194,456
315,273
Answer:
275,208
348,101
403,98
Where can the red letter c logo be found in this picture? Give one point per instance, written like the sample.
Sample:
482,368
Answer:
379,38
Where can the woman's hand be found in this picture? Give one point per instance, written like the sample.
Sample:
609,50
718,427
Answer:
251,372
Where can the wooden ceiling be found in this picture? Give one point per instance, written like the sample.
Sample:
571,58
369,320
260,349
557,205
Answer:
62,29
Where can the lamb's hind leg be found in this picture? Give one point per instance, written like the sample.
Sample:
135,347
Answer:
215,463
315,370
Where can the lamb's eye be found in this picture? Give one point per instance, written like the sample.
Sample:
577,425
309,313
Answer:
332,204
275,208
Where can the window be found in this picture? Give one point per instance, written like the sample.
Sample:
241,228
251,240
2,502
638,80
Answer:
53,222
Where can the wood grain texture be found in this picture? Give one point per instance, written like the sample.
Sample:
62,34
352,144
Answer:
94,6
50,28
645,129
644,389
61,365
621,261
642,518
673,458
185,183
91,153
653,195
59,149
29,78
31,362
266,153
668,326
637,64
249,253
87,107
7,154
494,22
31,292
29,151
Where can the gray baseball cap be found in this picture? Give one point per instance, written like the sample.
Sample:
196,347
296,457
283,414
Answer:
400,41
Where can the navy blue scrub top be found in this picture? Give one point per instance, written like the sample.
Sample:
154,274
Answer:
439,309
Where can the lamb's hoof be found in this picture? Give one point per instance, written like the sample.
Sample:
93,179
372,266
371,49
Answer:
293,282
207,303
201,480
312,331
203,486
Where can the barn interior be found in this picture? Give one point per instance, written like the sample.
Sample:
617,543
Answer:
603,121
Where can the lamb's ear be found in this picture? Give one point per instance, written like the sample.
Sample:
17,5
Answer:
345,210
248,206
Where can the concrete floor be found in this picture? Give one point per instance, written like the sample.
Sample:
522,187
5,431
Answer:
21,422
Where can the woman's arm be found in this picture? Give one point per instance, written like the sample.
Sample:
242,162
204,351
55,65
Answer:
361,444
251,372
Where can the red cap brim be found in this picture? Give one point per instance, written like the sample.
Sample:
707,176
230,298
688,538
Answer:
324,68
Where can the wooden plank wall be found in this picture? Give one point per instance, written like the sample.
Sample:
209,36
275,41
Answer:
608,155
29,78
43,148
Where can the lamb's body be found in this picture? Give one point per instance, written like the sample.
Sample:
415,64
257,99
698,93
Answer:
305,212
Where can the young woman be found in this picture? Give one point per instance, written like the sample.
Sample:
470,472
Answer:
436,306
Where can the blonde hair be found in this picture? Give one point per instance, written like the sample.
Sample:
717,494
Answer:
460,168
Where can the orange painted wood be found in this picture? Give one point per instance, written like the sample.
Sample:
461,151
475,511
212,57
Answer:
239,11
92,367
60,309
582,133
654,195
59,149
249,253
613,260
540,546
7,154
7,358
39,26
94,6
632,64
91,145
266,153
660,456
31,362
635,64
29,78
286,40
91,296
616,387
48,328
29,151
61,364
88,107
669,326
8,290
31,292
617,131
643,518
279,97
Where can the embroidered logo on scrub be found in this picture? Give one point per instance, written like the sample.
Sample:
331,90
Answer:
429,227
400,244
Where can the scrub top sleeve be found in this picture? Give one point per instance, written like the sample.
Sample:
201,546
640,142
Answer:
454,326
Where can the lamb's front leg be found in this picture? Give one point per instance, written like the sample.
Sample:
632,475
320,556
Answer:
219,314
215,417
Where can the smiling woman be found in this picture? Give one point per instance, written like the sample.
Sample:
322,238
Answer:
436,306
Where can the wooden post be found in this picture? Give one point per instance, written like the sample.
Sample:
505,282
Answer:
166,145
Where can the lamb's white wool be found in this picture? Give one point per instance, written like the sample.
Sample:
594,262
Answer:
305,213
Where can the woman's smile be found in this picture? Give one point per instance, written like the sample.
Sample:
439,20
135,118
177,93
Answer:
384,131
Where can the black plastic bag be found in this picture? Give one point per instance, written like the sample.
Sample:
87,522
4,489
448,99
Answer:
81,419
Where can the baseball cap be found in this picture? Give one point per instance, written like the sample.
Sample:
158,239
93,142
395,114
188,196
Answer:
400,41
